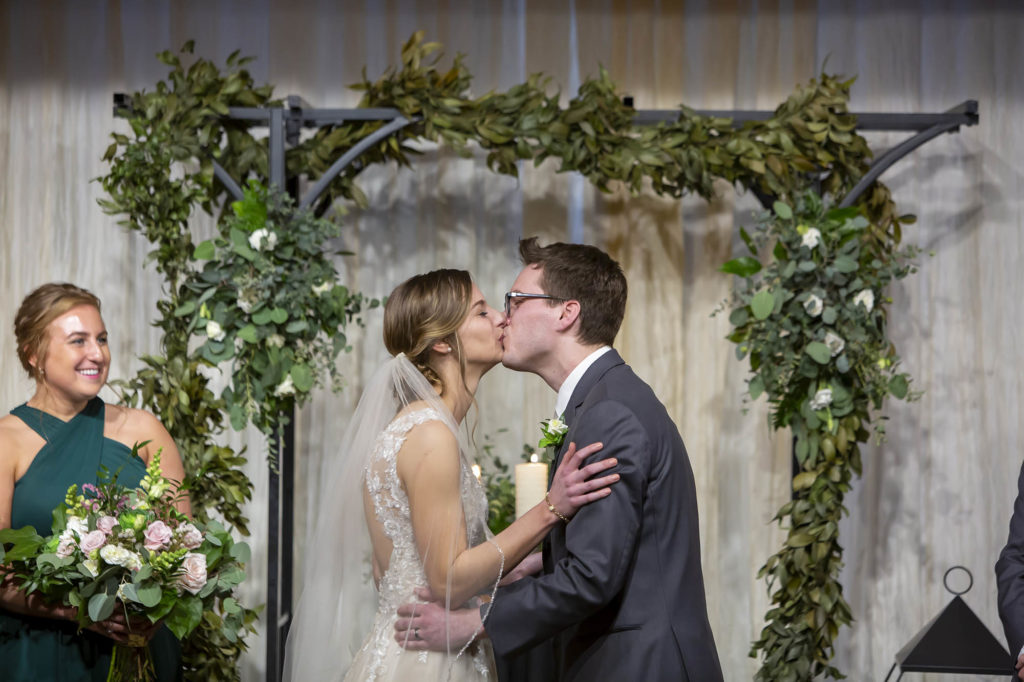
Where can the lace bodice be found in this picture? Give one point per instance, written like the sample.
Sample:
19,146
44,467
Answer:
391,507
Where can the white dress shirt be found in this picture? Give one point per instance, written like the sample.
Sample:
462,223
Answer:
569,385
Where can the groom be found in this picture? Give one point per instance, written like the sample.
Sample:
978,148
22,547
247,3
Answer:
621,595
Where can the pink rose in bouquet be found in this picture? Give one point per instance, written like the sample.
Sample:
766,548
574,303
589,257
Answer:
158,536
66,546
107,524
92,541
193,572
191,538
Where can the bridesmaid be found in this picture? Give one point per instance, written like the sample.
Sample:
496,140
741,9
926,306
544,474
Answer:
61,436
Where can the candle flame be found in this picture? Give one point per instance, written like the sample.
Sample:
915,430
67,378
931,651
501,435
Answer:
534,458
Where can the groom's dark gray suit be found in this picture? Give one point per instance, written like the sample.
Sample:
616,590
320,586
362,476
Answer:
622,593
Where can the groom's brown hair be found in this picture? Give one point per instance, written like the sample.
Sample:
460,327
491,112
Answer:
586,274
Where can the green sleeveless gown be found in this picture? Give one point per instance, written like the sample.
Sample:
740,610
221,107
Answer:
33,649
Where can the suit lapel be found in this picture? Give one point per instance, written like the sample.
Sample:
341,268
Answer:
579,396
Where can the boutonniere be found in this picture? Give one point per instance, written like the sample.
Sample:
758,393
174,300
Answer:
552,433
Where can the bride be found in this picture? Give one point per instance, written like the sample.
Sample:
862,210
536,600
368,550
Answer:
400,508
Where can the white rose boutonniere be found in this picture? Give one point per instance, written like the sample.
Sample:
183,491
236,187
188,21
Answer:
552,432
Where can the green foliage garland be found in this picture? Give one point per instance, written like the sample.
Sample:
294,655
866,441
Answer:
809,141
813,325
267,301
265,297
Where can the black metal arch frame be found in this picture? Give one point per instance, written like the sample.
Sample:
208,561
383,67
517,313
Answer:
285,125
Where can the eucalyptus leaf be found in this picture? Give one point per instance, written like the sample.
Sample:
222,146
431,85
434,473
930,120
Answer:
302,376
205,250
150,594
819,352
898,386
756,387
762,304
783,210
738,317
240,552
845,264
101,606
248,333
263,317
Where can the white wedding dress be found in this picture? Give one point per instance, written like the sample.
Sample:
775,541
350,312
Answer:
381,658
343,625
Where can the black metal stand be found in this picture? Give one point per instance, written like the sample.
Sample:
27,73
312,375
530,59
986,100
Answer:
285,124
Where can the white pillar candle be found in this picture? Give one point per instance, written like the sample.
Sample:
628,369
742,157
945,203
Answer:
531,484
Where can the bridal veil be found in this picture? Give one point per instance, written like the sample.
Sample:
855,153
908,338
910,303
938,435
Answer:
338,602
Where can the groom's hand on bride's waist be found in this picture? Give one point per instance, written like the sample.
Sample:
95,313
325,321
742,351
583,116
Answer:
429,627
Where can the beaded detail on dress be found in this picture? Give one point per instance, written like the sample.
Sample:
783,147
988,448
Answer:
405,569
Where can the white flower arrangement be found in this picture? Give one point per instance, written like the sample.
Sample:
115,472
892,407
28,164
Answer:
263,239
835,343
811,238
822,399
814,305
866,298
286,387
214,331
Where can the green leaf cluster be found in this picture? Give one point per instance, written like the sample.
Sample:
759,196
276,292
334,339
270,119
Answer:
160,171
273,295
808,312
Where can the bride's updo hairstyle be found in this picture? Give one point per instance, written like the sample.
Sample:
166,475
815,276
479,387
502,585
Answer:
424,310
37,311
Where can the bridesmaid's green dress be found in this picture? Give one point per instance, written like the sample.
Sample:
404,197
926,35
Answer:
33,649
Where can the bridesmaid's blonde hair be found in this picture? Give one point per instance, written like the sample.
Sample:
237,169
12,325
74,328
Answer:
37,311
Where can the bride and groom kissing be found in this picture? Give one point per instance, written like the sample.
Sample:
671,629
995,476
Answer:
408,583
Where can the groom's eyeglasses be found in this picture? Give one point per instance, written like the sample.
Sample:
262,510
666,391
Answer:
518,294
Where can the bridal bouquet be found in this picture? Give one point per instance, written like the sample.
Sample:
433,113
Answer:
113,547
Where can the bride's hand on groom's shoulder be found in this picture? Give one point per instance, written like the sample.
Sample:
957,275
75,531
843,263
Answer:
575,485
